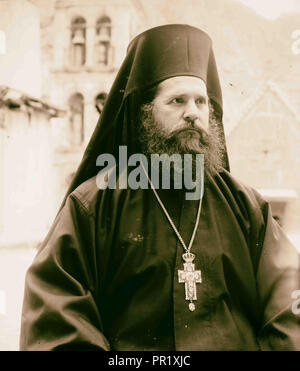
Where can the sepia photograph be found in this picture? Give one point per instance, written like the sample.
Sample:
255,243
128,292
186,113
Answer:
149,177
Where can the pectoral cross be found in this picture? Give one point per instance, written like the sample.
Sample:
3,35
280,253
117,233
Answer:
189,277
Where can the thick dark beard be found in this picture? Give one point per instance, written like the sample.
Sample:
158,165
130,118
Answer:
188,140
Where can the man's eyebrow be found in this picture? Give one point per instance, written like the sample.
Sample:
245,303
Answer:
177,94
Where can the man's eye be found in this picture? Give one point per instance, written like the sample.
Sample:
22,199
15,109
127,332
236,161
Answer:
177,100
201,101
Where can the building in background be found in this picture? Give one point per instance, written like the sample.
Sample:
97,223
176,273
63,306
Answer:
83,44
26,153
26,167
264,151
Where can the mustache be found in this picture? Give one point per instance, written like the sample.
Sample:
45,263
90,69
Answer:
203,136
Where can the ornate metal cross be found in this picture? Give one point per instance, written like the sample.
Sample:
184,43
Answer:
189,277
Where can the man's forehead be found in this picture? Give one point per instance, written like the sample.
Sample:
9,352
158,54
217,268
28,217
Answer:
182,85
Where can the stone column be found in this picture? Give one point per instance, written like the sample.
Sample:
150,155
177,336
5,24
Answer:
67,47
90,42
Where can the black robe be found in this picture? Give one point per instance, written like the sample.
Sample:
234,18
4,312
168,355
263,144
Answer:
106,276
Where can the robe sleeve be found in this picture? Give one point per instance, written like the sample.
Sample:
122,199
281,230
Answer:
277,280
59,307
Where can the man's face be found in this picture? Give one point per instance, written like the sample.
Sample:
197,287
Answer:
181,105
180,120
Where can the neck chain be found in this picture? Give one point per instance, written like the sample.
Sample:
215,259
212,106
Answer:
189,276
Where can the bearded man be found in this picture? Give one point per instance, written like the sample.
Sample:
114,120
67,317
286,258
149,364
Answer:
147,269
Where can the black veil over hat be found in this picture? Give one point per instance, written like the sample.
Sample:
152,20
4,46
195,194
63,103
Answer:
153,56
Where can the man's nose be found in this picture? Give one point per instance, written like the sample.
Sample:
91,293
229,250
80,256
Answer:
191,113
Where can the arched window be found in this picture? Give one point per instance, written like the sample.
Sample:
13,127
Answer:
103,40
78,41
100,101
76,107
